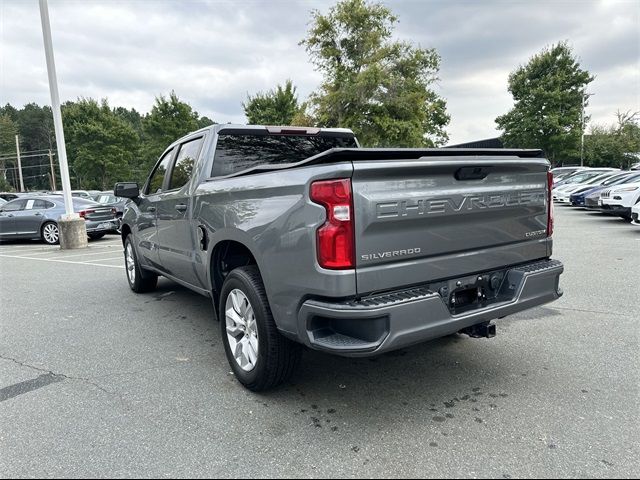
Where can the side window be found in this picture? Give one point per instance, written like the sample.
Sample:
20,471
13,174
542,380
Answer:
14,206
185,162
41,205
157,177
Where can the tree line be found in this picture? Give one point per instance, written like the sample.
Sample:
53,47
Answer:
104,144
381,88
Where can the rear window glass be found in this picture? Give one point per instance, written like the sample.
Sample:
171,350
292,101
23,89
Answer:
106,199
237,152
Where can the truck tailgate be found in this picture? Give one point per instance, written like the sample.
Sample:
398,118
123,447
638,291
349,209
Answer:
431,218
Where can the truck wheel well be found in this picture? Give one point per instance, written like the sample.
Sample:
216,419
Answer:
124,231
226,256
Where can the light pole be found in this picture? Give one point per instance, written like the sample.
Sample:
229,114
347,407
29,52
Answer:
73,231
582,126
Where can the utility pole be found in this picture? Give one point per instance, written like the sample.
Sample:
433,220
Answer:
19,163
582,126
53,172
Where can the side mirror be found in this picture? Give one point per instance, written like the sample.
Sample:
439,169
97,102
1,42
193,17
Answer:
126,190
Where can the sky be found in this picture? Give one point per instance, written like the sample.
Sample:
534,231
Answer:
214,53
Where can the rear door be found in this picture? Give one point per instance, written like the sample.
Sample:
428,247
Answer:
439,217
177,238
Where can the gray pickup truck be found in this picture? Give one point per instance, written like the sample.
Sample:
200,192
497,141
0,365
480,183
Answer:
301,238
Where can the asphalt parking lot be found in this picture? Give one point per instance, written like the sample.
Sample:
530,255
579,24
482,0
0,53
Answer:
98,381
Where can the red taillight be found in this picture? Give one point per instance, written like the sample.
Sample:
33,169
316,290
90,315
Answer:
550,204
113,212
84,213
335,242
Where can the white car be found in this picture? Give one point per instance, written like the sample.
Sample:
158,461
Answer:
619,200
635,214
562,193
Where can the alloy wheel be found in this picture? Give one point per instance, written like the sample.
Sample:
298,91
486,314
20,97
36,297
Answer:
242,330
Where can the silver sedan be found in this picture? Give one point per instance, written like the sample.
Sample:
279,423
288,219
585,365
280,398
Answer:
36,218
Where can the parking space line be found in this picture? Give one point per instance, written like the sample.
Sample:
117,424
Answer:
41,249
84,255
121,257
27,250
62,261
34,252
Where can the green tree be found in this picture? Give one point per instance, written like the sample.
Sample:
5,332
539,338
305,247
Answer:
275,107
205,122
548,95
35,125
169,119
101,146
8,131
615,145
379,87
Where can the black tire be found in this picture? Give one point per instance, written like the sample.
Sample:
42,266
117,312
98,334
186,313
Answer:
141,281
50,233
277,356
96,236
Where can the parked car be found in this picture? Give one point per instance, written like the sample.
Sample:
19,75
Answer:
620,199
2,201
77,193
559,173
635,214
8,196
301,237
563,193
109,199
37,218
582,176
589,198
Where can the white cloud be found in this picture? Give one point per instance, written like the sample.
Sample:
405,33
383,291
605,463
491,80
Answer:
214,53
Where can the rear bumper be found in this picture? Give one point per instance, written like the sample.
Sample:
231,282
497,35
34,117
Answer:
101,225
382,323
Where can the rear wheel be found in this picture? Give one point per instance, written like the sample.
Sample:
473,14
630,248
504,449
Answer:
140,280
50,233
261,358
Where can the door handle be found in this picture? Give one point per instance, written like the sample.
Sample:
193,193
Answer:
181,207
10,215
151,209
38,214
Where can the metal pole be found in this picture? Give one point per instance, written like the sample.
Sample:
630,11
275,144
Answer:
53,172
582,135
55,107
19,164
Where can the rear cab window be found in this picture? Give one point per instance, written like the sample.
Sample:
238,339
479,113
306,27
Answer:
238,151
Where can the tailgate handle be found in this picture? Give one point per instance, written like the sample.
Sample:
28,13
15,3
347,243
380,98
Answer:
472,173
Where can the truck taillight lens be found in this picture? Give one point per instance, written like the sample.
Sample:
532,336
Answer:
84,213
335,241
550,204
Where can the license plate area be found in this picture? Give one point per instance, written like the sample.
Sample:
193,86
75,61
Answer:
474,291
